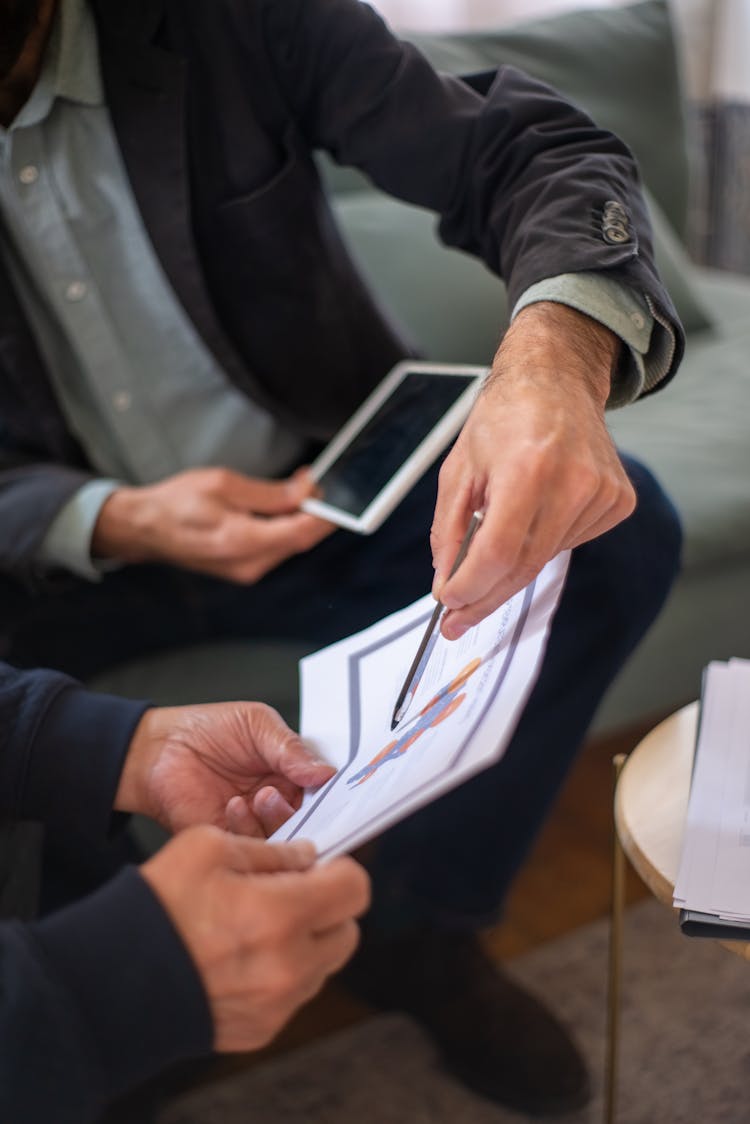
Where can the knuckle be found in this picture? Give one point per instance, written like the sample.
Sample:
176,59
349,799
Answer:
222,542
309,535
216,478
628,499
585,485
283,977
362,889
353,935
205,841
526,570
247,573
446,473
435,535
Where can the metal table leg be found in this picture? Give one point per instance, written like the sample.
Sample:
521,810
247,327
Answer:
615,959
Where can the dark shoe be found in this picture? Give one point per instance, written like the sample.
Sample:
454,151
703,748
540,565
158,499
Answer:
493,1036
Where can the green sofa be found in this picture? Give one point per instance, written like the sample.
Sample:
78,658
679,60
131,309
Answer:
620,65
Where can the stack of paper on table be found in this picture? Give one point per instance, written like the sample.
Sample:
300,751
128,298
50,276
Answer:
713,883
468,699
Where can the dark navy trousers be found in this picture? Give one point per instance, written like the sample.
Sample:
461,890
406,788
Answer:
451,863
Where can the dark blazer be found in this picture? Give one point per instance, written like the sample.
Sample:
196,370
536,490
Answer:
103,994
218,106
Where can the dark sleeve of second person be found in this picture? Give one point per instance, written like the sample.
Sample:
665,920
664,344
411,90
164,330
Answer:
101,995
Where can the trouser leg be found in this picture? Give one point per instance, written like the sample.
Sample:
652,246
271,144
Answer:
342,585
454,861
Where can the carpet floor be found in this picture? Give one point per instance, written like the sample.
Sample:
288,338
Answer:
685,1045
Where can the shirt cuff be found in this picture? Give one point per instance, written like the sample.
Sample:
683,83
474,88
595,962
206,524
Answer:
649,341
68,540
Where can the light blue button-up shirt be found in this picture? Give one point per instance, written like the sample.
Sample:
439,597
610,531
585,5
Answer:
136,383
137,386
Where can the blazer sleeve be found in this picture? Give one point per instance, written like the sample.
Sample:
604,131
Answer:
103,994
93,1000
517,175
32,495
62,750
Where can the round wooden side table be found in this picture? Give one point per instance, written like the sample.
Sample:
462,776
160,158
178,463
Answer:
651,801
650,808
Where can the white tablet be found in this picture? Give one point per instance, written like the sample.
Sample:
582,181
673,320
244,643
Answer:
394,436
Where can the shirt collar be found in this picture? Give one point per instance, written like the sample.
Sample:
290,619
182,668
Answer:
71,65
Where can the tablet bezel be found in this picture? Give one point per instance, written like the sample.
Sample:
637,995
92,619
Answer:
418,460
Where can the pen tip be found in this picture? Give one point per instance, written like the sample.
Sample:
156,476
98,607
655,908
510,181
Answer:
394,722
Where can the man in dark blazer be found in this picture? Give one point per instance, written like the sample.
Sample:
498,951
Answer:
180,321
202,947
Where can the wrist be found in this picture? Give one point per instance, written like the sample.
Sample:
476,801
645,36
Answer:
560,343
134,789
119,531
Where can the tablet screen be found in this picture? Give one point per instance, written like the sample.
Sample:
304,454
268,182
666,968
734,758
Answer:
389,438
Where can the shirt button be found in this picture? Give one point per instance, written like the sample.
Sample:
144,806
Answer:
637,320
28,174
122,401
76,291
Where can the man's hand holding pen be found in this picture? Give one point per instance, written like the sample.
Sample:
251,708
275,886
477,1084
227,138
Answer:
535,454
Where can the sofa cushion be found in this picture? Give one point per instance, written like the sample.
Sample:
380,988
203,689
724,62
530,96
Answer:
694,433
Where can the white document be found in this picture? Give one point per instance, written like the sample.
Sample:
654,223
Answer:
714,875
459,720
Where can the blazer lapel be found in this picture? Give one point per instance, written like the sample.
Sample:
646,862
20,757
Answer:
145,91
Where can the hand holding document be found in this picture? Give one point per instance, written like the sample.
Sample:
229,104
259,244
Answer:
713,883
458,719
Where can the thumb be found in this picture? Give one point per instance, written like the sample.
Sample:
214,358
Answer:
283,750
301,763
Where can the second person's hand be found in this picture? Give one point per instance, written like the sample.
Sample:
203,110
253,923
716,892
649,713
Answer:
211,520
263,926
236,765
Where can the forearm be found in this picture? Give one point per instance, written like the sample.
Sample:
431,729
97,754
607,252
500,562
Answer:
648,343
75,985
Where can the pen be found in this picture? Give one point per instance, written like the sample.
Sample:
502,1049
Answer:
419,662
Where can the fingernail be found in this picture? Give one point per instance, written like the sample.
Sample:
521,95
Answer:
453,630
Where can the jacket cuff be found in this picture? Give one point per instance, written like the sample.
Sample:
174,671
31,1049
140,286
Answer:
648,340
136,1000
76,759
